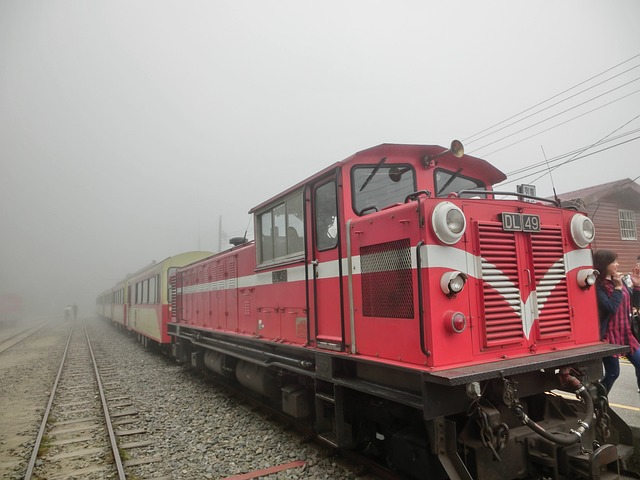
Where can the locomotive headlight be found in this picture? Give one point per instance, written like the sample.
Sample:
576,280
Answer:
587,277
455,322
453,282
448,222
582,230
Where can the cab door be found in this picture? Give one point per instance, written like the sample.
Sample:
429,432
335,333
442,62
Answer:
326,296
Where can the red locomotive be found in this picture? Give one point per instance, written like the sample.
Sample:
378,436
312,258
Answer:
404,308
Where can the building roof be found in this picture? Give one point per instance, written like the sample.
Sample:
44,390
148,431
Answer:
593,194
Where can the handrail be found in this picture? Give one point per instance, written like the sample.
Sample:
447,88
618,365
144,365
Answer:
514,194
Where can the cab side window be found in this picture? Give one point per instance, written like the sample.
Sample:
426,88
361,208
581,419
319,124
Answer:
326,216
280,230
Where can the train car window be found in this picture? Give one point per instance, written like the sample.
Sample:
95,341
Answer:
295,224
447,182
375,187
281,230
152,290
326,216
266,237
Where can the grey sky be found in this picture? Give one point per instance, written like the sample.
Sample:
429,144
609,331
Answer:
128,128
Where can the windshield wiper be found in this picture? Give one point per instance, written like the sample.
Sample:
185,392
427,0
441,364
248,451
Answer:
451,179
371,175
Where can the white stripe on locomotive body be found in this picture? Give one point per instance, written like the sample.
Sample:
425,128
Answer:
432,256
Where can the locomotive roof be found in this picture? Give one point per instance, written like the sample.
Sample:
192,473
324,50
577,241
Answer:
401,152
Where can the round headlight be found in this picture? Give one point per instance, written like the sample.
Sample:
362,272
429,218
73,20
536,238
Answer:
453,282
455,221
587,277
448,222
582,230
456,284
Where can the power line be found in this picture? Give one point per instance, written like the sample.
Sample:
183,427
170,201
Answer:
560,124
545,172
563,112
568,154
557,103
468,139
599,142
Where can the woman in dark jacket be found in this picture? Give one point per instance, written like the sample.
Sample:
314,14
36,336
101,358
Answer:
614,310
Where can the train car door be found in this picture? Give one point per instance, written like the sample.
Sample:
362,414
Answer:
325,267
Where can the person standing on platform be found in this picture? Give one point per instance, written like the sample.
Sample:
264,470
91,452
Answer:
614,312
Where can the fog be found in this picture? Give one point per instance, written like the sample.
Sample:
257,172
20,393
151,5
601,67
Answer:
130,130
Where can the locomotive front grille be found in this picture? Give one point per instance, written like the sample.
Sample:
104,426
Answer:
511,285
501,286
551,283
387,280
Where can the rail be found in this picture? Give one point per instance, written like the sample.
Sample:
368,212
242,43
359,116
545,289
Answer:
75,381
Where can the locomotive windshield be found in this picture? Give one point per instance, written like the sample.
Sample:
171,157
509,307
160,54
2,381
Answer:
378,186
447,182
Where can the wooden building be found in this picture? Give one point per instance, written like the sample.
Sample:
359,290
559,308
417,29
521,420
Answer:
614,208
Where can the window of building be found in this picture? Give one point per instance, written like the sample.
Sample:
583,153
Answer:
280,230
628,230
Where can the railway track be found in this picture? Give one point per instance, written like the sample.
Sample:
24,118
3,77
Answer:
86,421
14,338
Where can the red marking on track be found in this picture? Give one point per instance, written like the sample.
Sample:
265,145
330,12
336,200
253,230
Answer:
267,471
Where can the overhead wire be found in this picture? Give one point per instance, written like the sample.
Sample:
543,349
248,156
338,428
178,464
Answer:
545,171
557,103
469,140
599,142
577,154
557,115
561,123
568,154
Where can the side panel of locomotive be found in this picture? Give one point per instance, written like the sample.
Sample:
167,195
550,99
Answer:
227,293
